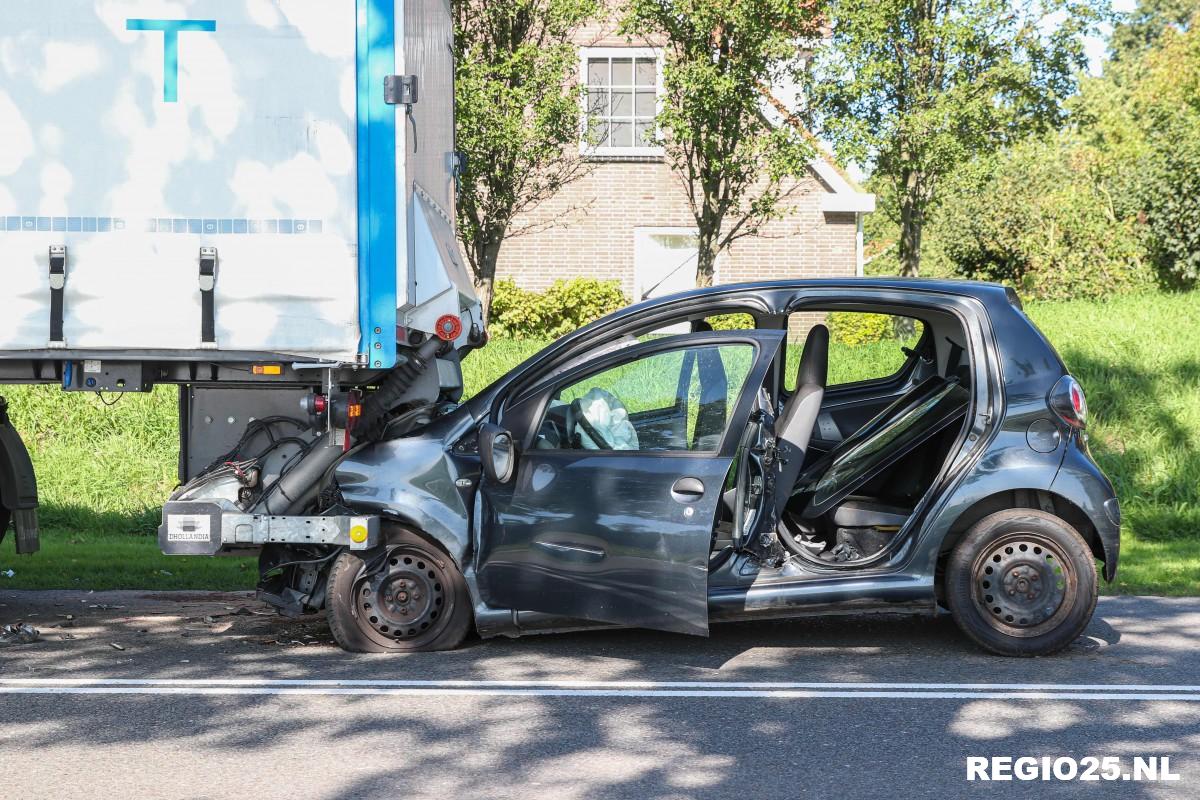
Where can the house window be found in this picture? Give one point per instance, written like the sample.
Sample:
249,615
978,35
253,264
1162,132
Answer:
621,101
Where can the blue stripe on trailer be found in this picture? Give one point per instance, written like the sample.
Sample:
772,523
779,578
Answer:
376,183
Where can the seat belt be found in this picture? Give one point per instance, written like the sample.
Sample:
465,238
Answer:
58,283
208,285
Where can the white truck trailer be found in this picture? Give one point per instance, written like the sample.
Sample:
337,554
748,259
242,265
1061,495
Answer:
252,200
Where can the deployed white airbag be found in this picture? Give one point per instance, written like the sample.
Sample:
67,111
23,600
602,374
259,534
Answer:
610,419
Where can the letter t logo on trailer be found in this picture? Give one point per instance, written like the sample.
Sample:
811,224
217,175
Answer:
171,28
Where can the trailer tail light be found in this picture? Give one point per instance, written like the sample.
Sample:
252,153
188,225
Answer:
449,327
353,414
1068,402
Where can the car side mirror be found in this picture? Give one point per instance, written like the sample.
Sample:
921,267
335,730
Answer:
497,452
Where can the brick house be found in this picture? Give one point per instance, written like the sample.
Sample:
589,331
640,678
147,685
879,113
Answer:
627,218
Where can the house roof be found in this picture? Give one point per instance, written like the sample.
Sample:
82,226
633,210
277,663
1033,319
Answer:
845,195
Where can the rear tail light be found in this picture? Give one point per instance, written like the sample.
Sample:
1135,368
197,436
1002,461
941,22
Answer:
1068,402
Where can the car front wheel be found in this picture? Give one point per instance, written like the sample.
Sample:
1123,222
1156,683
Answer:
407,596
1022,583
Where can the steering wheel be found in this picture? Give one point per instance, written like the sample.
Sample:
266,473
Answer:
576,416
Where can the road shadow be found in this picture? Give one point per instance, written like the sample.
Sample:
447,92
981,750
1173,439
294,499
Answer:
568,747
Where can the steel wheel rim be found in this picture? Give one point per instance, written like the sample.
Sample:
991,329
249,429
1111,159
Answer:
1024,585
407,600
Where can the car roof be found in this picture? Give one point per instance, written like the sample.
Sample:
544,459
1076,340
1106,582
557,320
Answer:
992,295
983,290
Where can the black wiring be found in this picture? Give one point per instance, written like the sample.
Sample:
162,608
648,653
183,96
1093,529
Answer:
287,564
255,428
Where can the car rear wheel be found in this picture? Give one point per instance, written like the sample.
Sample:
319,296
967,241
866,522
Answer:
407,596
1022,583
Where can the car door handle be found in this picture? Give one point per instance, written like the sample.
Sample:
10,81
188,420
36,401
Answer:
687,490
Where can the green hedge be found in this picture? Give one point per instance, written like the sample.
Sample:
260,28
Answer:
855,328
567,305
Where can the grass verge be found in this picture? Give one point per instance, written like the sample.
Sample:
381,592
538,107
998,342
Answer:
74,559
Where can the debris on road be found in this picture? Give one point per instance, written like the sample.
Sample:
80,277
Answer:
22,633
116,646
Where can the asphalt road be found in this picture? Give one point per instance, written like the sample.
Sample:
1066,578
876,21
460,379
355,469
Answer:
208,699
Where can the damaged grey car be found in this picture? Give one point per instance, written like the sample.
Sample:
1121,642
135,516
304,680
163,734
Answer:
707,457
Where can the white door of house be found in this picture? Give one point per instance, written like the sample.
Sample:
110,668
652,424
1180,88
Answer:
664,261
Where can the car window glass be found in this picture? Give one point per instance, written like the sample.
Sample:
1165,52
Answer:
941,401
676,400
733,321
862,346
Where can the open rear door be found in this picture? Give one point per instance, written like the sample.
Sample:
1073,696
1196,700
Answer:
610,513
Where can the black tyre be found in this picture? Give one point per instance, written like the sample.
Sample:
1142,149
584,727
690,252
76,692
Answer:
1021,583
405,597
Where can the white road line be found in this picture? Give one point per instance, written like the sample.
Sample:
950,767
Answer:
601,684
634,693
546,688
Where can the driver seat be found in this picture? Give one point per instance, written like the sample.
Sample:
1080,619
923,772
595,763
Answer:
795,425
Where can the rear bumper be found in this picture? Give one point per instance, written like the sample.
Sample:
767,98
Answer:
1080,480
199,528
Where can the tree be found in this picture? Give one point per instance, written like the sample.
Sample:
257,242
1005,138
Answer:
1140,28
915,87
1144,115
1038,216
720,58
517,111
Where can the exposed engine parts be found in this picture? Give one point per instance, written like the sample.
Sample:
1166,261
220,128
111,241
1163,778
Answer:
262,471
280,465
275,484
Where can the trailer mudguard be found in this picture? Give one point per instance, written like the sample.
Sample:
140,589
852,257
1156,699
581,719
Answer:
18,486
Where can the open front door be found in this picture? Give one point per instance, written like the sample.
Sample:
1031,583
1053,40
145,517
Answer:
621,464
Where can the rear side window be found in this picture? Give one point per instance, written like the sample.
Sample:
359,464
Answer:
862,346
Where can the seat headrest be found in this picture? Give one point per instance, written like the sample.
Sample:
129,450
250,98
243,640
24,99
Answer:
814,359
